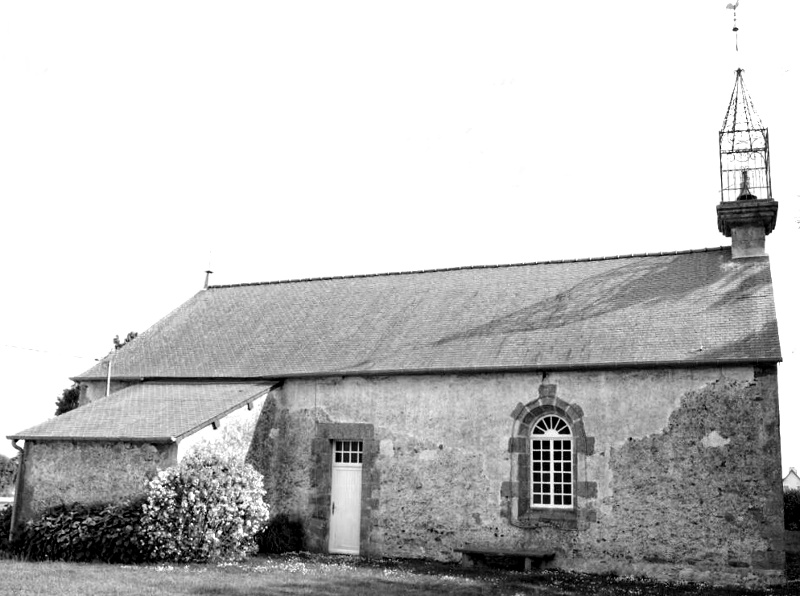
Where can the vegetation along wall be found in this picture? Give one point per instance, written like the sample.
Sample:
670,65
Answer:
676,472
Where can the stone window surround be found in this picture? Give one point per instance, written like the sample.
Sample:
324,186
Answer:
321,474
516,493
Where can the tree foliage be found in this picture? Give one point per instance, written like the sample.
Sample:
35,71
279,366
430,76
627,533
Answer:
68,400
8,470
791,509
69,397
128,338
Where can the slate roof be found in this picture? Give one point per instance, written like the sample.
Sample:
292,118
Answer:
149,412
685,308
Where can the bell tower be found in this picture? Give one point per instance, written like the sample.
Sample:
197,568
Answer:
746,212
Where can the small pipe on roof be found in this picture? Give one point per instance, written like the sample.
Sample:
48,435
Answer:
108,378
208,276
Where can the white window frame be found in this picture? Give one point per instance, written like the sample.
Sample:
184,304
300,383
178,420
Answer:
346,452
552,466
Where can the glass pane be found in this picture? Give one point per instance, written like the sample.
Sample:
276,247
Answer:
537,499
545,499
546,477
567,444
345,458
537,466
338,458
568,489
567,500
556,444
557,500
556,477
567,466
537,444
557,488
537,488
537,477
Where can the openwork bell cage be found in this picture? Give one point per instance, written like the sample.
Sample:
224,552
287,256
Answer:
743,150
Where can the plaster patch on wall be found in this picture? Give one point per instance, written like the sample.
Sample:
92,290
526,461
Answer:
387,448
714,439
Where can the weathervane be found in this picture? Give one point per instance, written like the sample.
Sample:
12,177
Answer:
733,7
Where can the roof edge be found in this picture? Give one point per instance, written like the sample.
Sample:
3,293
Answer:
155,440
472,370
252,398
267,387
469,268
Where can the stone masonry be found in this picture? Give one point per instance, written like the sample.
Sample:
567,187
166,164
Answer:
677,476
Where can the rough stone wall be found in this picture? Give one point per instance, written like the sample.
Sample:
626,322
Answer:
281,451
686,465
57,472
701,499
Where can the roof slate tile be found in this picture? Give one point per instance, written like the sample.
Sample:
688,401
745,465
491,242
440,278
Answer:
153,412
690,307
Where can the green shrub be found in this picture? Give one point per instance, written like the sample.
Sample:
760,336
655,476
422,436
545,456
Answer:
78,532
284,534
208,508
5,528
791,510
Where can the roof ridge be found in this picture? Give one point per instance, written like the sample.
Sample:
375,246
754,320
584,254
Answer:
468,268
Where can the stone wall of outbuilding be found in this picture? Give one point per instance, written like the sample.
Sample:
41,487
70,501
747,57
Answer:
678,475
64,472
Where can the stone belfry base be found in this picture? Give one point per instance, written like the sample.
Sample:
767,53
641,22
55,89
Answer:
747,223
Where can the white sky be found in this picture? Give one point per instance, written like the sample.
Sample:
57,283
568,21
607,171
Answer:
301,139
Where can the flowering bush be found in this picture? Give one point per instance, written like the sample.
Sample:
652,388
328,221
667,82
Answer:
207,508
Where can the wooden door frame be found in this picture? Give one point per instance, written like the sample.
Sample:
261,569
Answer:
358,466
321,477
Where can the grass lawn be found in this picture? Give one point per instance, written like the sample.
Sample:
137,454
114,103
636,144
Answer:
325,574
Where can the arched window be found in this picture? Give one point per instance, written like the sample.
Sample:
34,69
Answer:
551,464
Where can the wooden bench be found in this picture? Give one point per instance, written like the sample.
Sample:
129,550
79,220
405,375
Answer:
472,554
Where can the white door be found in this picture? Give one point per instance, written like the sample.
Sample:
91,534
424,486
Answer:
345,519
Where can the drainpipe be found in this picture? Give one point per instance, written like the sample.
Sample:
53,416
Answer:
110,363
18,488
